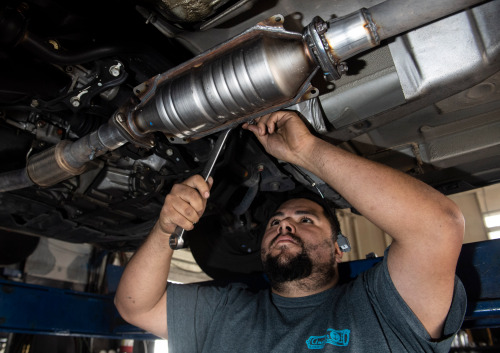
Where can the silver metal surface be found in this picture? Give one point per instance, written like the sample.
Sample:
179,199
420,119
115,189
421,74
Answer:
267,69
49,167
463,141
350,35
107,138
311,110
176,240
320,51
358,101
450,52
298,13
394,17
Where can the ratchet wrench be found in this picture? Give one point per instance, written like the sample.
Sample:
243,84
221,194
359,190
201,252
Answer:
176,240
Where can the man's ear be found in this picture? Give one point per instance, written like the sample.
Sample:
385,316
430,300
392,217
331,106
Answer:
338,253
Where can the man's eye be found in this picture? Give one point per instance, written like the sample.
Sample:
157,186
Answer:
274,222
306,220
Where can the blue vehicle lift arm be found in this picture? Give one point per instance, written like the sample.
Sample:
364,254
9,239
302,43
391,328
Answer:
27,308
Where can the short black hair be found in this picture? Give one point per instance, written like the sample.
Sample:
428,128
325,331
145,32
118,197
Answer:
328,208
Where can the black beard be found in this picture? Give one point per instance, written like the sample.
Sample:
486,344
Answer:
279,271
286,267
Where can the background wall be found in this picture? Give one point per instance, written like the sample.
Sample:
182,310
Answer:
366,238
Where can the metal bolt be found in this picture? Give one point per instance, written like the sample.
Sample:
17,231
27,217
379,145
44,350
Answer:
170,152
34,103
115,70
342,68
321,27
75,101
120,117
260,168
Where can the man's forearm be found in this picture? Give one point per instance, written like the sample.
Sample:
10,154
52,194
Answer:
394,201
141,297
144,280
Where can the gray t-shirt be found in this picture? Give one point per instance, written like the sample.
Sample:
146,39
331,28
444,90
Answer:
365,315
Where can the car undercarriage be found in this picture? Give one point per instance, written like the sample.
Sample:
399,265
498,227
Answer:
105,105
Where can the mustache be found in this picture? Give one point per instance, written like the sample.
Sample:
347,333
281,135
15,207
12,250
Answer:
293,236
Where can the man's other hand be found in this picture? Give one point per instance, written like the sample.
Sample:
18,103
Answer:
283,134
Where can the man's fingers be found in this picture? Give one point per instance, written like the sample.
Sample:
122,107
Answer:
185,203
171,218
262,125
197,182
269,123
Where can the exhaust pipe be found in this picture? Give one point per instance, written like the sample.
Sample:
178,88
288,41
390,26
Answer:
264,69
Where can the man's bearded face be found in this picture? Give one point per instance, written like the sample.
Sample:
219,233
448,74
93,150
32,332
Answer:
298,244
287,267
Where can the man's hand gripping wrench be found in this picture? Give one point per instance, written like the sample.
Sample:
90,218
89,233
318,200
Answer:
176,240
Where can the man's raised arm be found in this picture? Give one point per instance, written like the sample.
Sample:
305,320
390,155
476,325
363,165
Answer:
141,297
427,228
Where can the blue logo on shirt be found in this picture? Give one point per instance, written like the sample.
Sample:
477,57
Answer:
334,337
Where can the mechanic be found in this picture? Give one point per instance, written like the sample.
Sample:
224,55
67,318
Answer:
410,302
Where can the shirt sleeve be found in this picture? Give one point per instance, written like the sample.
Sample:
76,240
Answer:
400,321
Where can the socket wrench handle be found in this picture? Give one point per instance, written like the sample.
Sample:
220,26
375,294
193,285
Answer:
176,240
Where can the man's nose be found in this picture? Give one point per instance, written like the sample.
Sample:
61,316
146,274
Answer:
286,226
